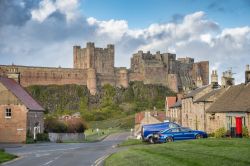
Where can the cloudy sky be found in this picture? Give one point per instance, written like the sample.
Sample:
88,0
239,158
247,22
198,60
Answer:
42,32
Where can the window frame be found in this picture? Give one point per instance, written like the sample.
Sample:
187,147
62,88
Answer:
8,113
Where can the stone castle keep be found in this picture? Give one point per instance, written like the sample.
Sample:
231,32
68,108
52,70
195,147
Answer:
94,67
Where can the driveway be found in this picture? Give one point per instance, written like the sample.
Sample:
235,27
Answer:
69,154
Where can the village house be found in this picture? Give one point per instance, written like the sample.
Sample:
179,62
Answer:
147,117
19,113
233,104
175,112
215,106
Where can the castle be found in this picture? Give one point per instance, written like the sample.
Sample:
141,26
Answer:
94,67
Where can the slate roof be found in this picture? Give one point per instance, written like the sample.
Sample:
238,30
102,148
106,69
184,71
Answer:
205,98
196,91
21,94
177,104
235,99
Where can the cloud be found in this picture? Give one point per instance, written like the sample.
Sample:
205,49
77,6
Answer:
47,30
47,7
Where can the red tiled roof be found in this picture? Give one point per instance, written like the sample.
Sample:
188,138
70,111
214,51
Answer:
21,94
159,115
138,117
170,101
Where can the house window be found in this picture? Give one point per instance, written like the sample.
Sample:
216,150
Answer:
8,113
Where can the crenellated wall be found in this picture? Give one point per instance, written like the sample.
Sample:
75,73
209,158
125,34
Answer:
94,67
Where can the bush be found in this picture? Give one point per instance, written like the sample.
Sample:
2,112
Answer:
220,133
76,125
29,138
42,137
245,132
211,134
53,125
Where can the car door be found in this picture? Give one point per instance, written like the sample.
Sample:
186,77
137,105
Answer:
177,134
187,133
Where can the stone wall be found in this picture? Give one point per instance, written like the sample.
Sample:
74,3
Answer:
35,119
54,137
48,76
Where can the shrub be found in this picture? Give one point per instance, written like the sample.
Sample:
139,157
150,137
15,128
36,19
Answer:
42,137
211,134
219,133
52,124
245,132
29,138
76,125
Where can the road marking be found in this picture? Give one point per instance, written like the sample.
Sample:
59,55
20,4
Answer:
100,160
40,155
52,160
48,162
40,151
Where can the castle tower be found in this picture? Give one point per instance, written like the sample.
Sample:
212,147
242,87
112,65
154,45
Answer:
91,81
227,78
214,79
247,74
123,77
76,56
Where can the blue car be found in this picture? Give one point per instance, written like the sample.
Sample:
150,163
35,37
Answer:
147,131
179,133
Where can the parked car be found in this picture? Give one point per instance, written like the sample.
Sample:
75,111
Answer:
179,133
147,131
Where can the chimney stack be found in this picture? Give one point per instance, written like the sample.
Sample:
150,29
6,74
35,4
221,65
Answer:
227,78
214,79
247,74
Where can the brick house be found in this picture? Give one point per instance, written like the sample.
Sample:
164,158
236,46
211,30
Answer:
19,112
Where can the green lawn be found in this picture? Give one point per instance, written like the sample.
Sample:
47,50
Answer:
5,156
92,135
212,152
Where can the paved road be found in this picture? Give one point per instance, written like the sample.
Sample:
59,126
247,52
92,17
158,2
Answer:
73,154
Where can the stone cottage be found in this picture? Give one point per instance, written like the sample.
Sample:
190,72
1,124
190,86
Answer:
19,113
235,102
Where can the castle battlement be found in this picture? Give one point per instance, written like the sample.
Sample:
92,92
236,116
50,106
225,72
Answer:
93,66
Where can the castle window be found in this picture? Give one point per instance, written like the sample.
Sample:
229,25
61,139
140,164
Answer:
8,113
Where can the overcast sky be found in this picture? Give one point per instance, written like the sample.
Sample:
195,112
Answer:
42,32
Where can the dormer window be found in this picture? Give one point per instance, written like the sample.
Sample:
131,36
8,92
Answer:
8,113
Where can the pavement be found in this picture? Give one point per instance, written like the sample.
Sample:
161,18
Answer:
65,154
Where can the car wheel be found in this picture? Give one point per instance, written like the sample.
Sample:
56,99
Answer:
169,139
198,136
151,140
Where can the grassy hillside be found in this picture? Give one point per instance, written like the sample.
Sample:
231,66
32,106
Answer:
110,102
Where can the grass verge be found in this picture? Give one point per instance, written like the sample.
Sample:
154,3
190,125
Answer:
131,142
92,135
213,152
5,156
